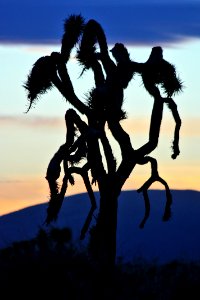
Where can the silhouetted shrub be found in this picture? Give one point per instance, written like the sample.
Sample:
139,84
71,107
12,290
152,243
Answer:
37,269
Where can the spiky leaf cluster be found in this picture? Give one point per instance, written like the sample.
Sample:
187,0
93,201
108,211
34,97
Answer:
101,108
87,49
73,28
40,79
171,84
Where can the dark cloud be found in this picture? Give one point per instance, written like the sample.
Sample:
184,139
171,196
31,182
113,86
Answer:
153,23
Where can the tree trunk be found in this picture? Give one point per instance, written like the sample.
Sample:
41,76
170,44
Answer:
102,245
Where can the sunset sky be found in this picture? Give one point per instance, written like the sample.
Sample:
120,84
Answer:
31,29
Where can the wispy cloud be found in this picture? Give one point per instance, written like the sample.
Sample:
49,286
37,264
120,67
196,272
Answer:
10,181
37,121
190,127
145,22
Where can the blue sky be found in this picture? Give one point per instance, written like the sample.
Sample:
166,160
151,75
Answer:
130,21
31,29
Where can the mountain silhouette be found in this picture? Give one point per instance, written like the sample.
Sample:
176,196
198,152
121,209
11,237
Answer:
177,239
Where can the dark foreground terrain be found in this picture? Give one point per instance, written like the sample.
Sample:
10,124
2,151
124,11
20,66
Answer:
48,267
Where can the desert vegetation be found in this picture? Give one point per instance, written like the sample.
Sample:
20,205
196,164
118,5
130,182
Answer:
50,267
81,152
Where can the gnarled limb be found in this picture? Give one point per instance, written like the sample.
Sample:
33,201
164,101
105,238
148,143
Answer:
173,107
56,196
53,171
57,200
157,71
144,188
65,154
84,173
154,131
63,83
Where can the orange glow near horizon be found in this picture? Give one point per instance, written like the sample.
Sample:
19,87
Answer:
27,186
19,194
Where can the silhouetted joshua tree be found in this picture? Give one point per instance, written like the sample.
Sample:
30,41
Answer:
104,106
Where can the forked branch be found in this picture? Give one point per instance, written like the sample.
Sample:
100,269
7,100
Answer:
144,188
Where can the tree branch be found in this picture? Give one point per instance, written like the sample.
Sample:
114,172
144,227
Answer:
64,84
173,107
154,177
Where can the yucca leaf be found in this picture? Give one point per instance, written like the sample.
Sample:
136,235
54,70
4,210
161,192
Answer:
87,48
170,82
73,28
39,79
